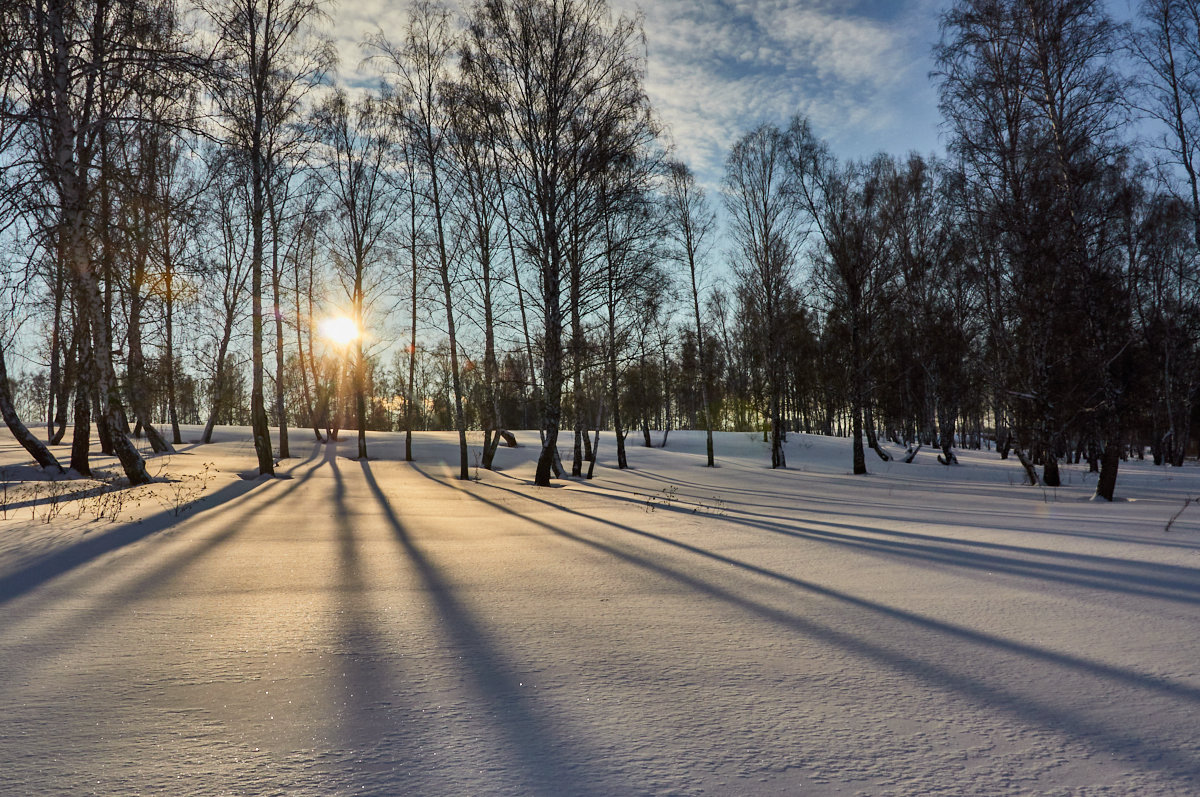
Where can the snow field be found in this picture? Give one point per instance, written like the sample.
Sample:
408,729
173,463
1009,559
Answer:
381,628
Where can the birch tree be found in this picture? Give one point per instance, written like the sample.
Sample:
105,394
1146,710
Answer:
564,84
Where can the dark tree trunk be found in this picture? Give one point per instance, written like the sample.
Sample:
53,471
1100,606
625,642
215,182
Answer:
56,371
860,459
66,383
277,296
1110,461
137,367
552,374
22,434
360,389
947,439
304,371
778,458
220,375
1030,471
614,387
169,306
1050,475
873,438
81,435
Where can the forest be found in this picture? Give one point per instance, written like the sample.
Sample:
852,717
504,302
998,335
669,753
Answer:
483,226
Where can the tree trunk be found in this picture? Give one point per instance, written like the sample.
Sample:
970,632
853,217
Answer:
56,375
259,424
91,300
1030,471
81,435
28,441
947,440
1110,460
551,373
872,437
614,386
1050,476
860,460
576,358
360,389
137,363
277,296
66,383
490,368
304,371
172,411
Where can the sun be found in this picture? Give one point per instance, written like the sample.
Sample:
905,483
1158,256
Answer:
339,330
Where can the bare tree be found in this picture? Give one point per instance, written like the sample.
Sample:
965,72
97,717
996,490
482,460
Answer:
420,71
690,225
358,164
1032,97
765,231
269,61
85,66
227,268
564,85
846,205
479,215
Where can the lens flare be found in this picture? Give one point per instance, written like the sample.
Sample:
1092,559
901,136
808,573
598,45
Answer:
339,330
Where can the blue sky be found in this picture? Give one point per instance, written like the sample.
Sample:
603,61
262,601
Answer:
858,70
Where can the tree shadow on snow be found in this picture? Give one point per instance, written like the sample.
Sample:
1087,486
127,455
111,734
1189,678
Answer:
973,670
1144,579
751,499
65,563
550,766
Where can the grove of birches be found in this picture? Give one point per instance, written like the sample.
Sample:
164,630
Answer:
190,186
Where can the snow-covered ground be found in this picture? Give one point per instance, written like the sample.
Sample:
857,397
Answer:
382,628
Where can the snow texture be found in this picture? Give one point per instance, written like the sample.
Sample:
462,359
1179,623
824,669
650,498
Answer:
381,628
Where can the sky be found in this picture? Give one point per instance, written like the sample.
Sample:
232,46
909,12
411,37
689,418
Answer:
858,70
716,68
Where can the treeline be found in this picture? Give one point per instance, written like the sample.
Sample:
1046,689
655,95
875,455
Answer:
193,195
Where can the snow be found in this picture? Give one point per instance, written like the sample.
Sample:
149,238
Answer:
382,628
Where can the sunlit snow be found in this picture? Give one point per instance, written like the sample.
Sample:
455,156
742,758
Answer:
380,627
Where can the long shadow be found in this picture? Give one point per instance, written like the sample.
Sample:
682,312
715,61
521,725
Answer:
33,575
551,768
874,506
1059,659
90,617
1154,580
1124,745
363,654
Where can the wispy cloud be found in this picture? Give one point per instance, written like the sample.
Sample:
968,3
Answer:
716,68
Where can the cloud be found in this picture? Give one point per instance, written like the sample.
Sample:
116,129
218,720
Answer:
716,68
719,67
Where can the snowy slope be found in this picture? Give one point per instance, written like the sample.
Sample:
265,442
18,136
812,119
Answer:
381,628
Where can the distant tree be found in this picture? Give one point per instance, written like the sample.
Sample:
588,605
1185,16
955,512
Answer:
479,214
854,269
420,73
1032,97
690,224
564,85
765,231
357,170
268,62
933,330
226,267
631,277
